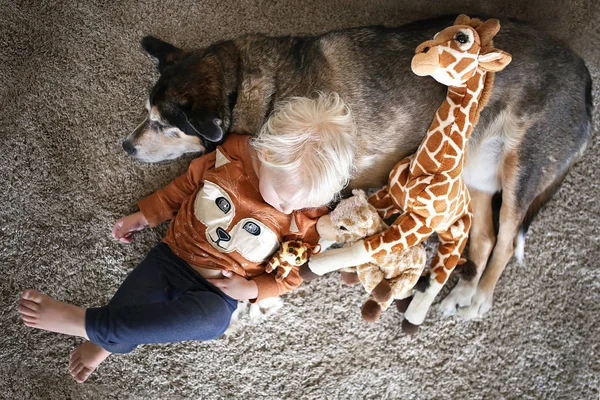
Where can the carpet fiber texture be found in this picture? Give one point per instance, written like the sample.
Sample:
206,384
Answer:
73,82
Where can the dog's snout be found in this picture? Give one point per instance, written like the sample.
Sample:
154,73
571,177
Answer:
128,147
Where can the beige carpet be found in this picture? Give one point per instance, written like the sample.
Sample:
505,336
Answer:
72,85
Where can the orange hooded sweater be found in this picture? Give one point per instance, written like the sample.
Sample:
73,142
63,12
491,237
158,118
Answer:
220,221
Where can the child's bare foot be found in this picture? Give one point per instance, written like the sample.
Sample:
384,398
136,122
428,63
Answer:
85,359
43,312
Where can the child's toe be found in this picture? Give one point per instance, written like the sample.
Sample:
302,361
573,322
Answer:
25,311
29,322
76,368
33,306
83,375
32,295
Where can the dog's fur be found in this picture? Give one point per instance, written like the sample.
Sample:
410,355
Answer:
537,121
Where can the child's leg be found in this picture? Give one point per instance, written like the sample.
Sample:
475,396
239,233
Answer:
162,300
160,278
43,312
145,284
195,315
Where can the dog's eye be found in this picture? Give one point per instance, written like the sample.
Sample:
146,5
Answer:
290,250
169,131
343,228
461,38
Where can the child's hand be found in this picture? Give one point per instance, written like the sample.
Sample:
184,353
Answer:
236,286
125,226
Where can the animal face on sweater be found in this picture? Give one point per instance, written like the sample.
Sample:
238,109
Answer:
216,209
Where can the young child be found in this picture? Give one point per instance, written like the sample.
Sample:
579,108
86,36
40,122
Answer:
229,212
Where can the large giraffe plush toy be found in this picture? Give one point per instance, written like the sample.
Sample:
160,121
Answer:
428,185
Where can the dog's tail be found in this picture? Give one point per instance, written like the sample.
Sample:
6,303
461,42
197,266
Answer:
547,194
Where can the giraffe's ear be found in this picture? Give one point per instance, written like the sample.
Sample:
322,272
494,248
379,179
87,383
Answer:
462,19
361,196
487,31
494,60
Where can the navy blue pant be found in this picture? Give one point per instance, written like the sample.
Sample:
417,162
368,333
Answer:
162,300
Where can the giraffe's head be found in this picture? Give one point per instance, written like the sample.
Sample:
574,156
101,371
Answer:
455,54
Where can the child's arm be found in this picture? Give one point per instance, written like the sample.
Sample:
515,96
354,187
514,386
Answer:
258,288
165,203
126,226
268,286
236,286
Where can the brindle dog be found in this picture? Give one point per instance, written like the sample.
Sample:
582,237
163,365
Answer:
536,124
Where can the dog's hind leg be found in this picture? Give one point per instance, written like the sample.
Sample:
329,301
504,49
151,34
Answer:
481,245
512,213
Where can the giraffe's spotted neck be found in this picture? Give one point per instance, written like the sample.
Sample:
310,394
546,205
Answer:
445,141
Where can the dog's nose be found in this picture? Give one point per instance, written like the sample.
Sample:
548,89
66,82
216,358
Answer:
128,147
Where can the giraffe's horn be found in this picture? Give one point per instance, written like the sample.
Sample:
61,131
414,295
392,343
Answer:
462,19
487,31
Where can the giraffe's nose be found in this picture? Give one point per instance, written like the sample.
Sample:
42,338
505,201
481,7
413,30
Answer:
424,47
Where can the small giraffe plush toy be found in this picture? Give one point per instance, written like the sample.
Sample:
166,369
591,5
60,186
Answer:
390,277
291,254
428,185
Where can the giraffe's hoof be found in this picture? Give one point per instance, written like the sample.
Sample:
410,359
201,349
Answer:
408,328
403,304
371,311
306,274
467,270
349,278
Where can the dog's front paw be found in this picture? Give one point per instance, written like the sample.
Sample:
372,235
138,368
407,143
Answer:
461,296
482,303
255,313
270,305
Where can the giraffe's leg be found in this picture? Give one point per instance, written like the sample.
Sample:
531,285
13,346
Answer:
382,201
452,243
481,245
408,230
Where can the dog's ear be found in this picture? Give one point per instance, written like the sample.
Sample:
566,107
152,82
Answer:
164,52
206,127
193,123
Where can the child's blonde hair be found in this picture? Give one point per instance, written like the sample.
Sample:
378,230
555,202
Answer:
309,144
